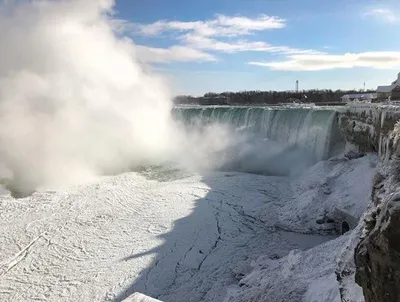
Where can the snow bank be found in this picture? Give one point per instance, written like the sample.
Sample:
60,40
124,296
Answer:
300,276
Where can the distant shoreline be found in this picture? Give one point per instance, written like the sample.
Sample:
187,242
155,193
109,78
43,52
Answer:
264,104
270,98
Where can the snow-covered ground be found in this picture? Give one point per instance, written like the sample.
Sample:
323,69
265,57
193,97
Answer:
219,236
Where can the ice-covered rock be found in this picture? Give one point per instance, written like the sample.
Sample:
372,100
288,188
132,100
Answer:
377,255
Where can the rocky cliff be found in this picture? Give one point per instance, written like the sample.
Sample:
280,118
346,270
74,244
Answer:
369,126
377,256
375,244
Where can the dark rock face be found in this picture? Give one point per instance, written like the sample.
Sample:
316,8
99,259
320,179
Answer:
377,256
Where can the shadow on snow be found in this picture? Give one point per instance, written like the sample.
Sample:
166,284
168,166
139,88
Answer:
212,248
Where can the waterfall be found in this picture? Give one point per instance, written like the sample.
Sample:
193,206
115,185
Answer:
314,130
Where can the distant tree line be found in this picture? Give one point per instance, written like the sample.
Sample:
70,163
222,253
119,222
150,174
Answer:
267,97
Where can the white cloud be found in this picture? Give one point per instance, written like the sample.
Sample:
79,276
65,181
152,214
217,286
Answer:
201,42
221,25
383,13
214,35
381,60
173,53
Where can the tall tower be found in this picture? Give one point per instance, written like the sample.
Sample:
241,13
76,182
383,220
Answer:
364,87
297,86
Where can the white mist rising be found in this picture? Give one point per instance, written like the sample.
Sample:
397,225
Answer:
74,103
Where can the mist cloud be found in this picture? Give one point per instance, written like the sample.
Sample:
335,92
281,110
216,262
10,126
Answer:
74,103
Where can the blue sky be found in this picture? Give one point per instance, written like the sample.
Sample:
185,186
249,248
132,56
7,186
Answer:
231,45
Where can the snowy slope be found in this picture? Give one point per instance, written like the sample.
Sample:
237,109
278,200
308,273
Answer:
184,240
337,182
300,276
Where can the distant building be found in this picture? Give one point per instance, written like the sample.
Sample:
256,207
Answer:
391,92
359,97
